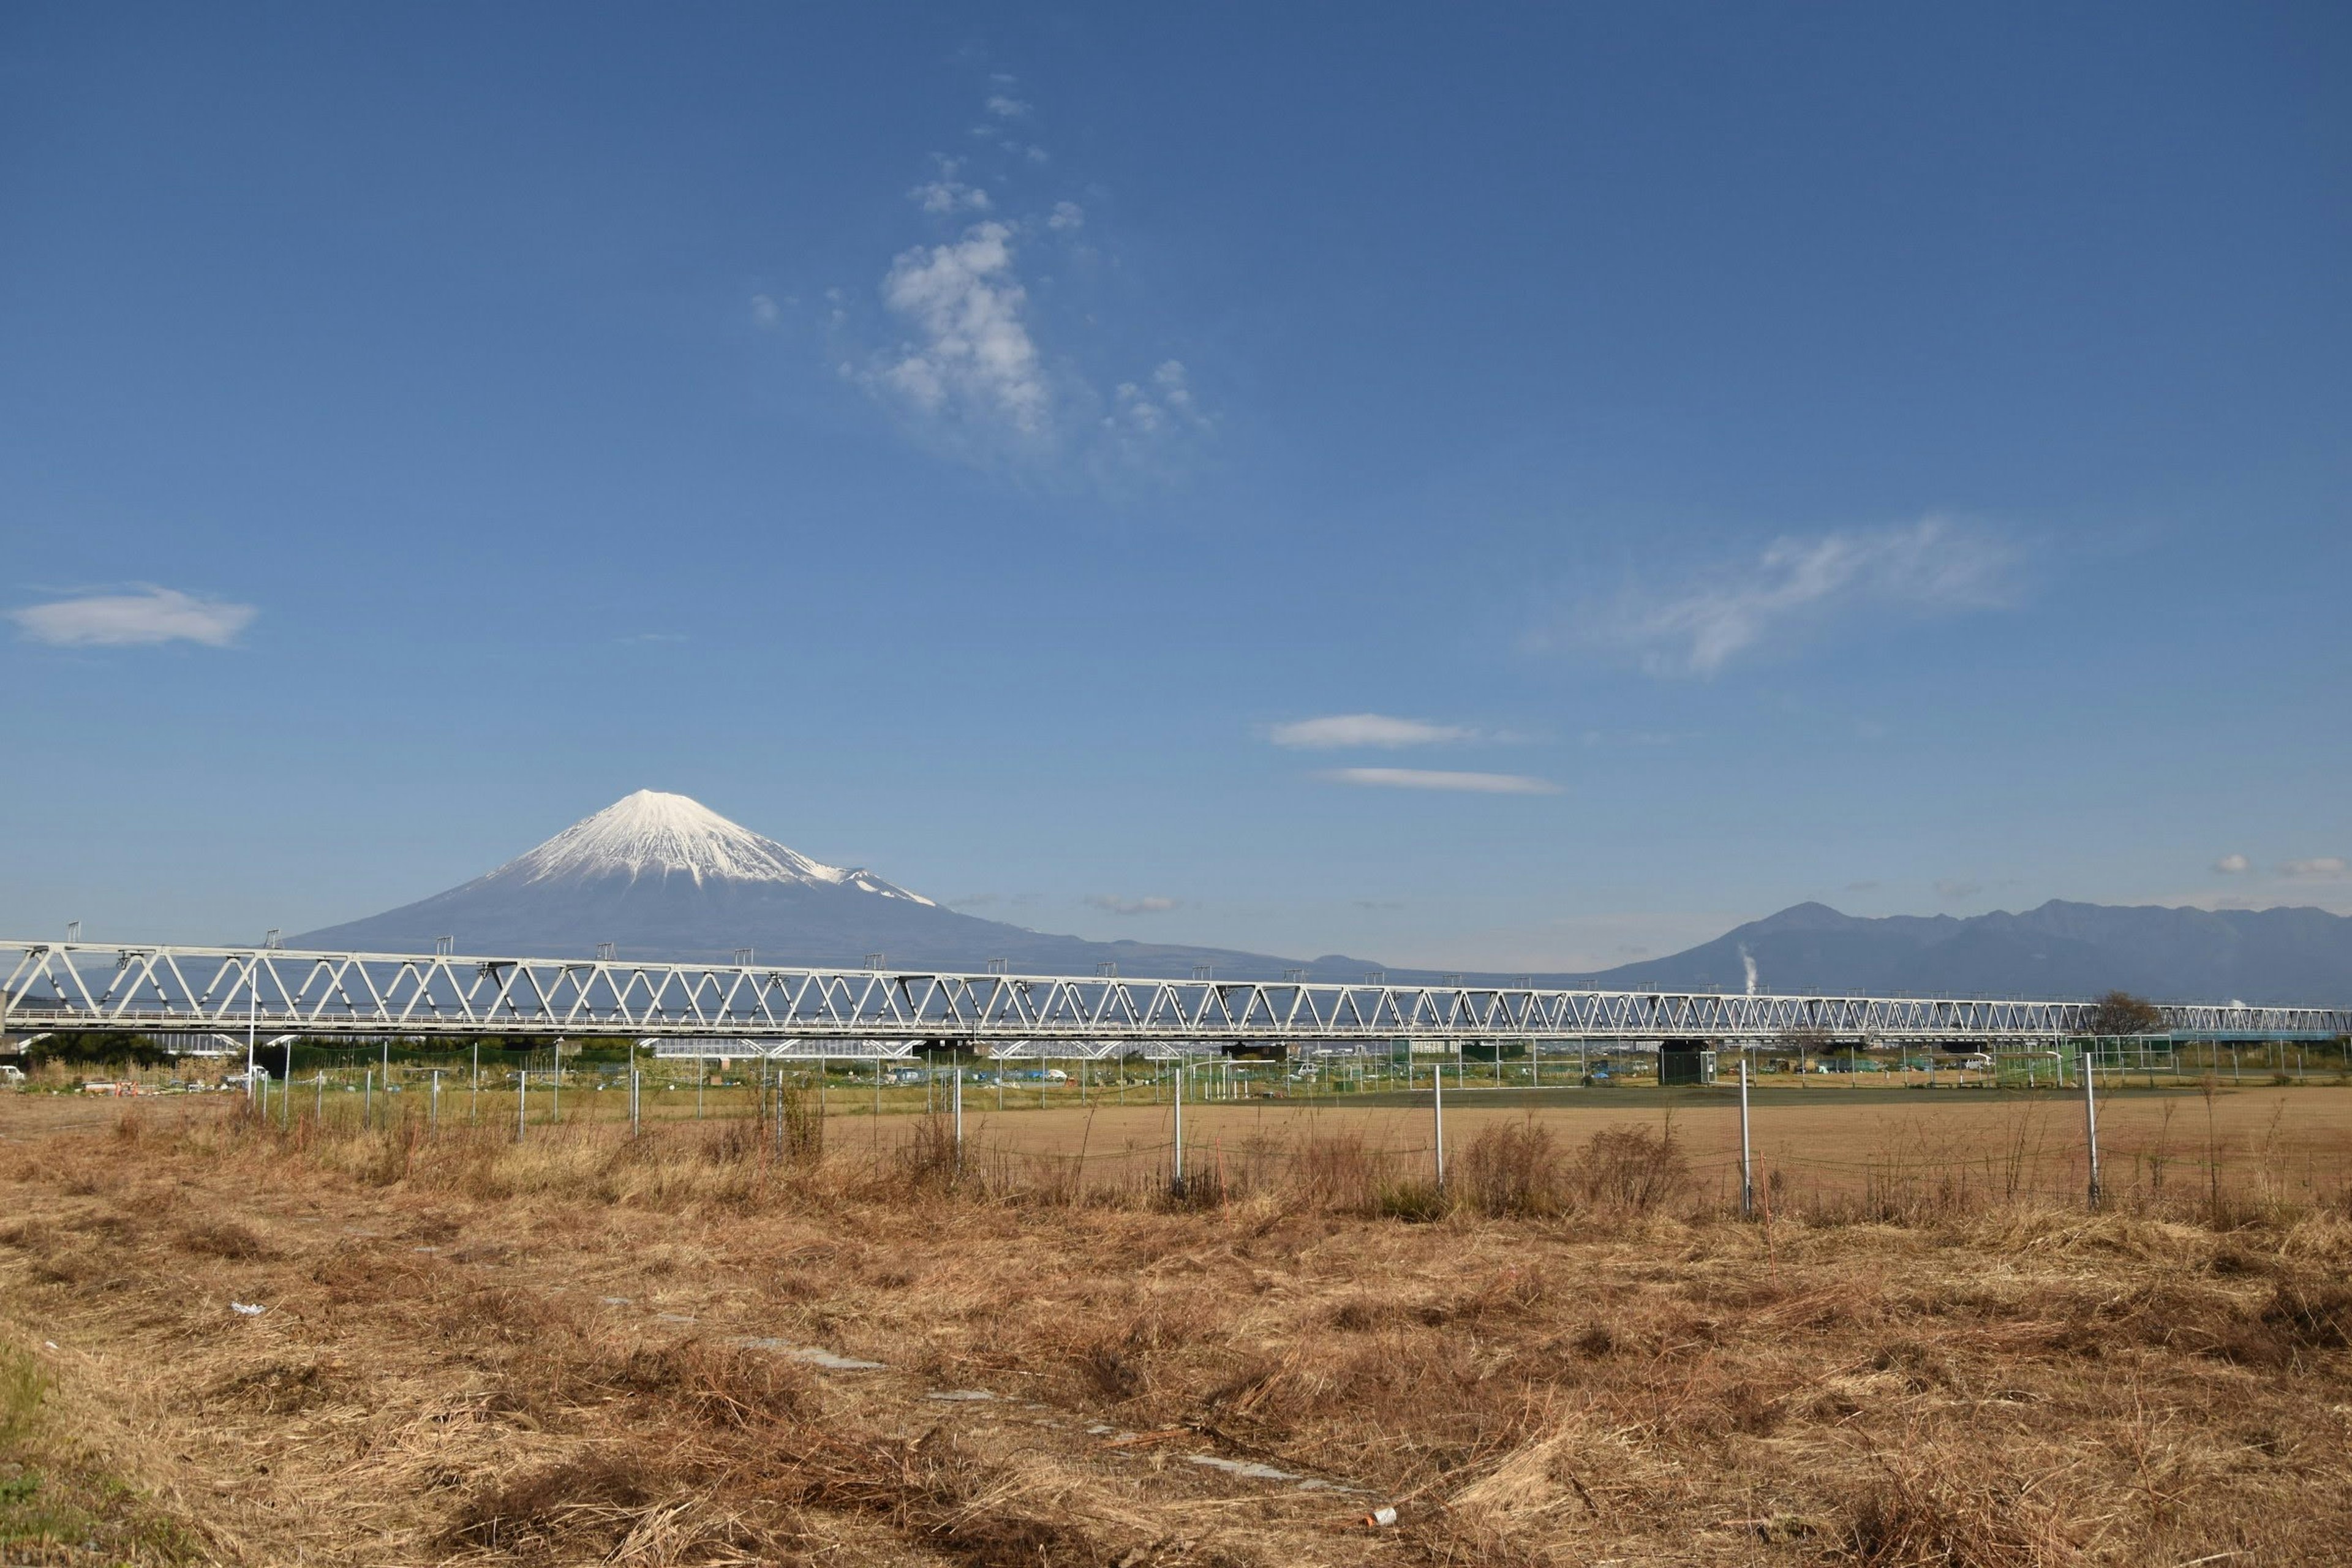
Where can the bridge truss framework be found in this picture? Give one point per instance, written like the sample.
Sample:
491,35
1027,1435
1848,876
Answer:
744,1009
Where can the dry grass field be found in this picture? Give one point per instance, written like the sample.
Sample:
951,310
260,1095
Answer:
828,1342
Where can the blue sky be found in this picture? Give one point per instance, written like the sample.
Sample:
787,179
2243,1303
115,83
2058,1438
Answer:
1507,486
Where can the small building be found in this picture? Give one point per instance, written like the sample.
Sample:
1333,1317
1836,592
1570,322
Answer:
1685,1061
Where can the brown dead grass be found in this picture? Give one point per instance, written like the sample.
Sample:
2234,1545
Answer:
576,1349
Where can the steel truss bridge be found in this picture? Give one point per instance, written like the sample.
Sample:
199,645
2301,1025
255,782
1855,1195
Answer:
225,994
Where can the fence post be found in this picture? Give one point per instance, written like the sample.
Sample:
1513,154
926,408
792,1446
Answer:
1179,1101
474,1105
522,1099
959,1117
636,1098
318,1111
433,1118
1747,1162
1437,1100
2091,1120
367,1100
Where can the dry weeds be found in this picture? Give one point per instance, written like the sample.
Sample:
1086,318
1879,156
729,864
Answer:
586,1349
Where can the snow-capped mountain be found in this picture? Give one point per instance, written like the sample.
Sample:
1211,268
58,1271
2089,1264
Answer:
662,876
650,834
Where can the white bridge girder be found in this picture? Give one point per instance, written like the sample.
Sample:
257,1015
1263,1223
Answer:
84,985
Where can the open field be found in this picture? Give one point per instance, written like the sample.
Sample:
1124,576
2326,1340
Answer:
590,1348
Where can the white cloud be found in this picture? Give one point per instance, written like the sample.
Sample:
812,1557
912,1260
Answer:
947,193
1953,889
1146,906
978,364
1149,411
1338,730
2320,865
1799,584
973,355
763,311
1429,778
2232,865
151,614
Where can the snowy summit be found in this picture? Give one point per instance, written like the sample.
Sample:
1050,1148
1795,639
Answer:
650,834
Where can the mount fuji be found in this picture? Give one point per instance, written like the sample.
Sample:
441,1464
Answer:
664,877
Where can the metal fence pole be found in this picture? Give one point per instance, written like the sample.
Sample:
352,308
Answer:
433,1120
1746,1165
1178,1078
1437,1103
367,1100
958,1092
522,1099
2091,1121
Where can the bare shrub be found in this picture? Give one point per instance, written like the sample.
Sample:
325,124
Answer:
1630,1170
800,1121
1513,1170
928,1160
1336,1170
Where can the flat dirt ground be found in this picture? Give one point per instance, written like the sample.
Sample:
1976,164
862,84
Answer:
1815,1137
688,1348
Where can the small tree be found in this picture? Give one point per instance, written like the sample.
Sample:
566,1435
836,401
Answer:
2121,1012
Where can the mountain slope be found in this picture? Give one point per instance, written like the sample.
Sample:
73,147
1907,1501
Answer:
2282,955
662,876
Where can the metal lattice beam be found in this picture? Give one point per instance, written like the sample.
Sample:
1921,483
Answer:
83,985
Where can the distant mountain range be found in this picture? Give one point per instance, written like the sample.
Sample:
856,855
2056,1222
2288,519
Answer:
2283,955
662,876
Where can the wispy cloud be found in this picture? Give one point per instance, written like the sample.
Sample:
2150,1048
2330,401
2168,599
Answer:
1432,778
1799,584
2318,866
1337,730
947,193
994,900
1954,889
764,313
979,371
146,615
1153,905
972,355
2232,865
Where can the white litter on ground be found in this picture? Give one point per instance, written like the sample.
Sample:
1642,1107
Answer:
812,1354
246,1310
1247,1467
